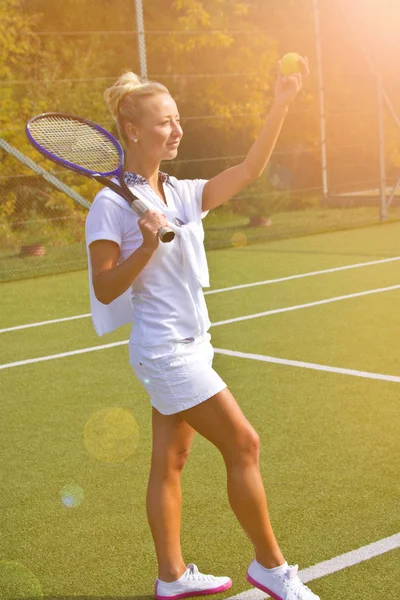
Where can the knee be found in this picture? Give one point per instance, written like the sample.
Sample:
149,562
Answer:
171,462
179,459
246,448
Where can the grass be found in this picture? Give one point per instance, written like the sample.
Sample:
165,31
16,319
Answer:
329,458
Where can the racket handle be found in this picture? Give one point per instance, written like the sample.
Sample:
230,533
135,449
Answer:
166,234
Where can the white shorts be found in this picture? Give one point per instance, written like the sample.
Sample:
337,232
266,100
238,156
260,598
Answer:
177,375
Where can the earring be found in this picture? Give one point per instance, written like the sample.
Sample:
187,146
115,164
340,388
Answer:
135,139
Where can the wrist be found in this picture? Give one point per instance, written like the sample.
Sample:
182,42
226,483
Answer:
147,249
280,107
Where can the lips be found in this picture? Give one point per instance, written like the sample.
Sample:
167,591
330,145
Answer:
173,144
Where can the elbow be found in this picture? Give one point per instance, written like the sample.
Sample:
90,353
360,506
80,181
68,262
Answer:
251,173
103,298
101,294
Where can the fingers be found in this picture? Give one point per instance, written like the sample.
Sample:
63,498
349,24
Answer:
153,219
305,66
299,79
295,77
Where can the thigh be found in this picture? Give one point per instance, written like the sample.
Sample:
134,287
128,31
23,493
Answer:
172,439
221,420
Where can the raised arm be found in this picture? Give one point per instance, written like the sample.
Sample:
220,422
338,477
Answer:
227,184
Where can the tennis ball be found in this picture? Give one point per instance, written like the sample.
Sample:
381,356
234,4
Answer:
290,63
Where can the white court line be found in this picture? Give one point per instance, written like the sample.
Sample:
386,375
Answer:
236,320
30,361
45,323
51,322
307,365
230,289
302,275
338,563
308,305
259,357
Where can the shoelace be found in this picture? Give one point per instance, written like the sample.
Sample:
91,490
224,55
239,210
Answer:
192,574
295,584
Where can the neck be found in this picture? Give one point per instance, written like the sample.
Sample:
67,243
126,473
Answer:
146,169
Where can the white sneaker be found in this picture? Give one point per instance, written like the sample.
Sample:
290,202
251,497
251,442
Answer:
192,583
284,585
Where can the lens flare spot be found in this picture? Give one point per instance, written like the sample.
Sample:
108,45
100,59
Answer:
239,239
71,495
111,435
18,582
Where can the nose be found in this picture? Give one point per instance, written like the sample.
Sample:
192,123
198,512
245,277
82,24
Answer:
177,132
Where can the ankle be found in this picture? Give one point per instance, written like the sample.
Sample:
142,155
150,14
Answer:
170,574
270,562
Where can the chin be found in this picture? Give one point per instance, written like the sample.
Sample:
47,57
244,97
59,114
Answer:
170,154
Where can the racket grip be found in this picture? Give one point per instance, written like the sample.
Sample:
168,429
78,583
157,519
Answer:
166,234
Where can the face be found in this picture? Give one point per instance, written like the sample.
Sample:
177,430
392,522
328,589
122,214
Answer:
159,131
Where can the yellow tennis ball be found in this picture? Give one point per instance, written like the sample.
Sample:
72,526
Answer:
290,63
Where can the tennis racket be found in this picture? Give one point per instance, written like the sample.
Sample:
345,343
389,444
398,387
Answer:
88,149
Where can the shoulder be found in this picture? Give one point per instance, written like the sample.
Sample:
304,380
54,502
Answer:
108,200
107,214
189,187
108,206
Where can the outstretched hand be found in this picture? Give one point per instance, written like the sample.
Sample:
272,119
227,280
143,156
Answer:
288,87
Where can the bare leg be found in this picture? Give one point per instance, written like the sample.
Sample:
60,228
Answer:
221,421
248,501
164,500
172,439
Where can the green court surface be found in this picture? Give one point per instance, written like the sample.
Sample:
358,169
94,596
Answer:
328,419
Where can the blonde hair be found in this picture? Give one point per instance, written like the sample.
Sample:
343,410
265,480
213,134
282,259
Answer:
124,99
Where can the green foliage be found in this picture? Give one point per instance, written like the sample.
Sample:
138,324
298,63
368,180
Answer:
218,58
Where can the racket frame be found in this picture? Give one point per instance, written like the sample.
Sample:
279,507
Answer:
166,234
66,163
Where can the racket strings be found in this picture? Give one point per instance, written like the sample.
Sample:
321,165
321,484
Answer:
76,142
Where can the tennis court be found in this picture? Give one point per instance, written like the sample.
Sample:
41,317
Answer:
306,336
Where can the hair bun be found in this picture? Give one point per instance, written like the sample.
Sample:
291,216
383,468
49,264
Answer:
126,84
125,98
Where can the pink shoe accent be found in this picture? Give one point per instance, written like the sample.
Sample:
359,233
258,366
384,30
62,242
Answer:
261,587
221,588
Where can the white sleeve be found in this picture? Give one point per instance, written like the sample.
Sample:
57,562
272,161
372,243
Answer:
198,195
190,192
104,221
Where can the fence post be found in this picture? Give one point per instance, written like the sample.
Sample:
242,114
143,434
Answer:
141,39
321,105
382,163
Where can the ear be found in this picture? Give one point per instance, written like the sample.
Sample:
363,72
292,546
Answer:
131,131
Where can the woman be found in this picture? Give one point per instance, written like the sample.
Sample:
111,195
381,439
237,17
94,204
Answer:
158,287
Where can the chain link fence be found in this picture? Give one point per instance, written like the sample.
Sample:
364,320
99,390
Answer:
331,166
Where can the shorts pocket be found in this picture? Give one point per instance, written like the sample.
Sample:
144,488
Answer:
175,363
